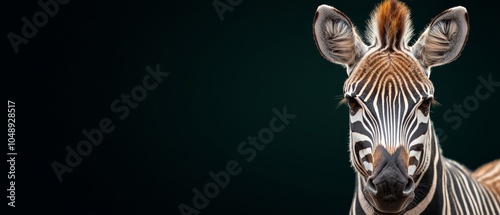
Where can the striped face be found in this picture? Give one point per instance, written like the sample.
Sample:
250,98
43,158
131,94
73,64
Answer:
389,97
389,93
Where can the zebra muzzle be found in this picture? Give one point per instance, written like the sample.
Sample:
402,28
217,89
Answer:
390,189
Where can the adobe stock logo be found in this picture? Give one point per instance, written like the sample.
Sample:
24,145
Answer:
463,110
221,7
94,137
248,150
470,104
31,26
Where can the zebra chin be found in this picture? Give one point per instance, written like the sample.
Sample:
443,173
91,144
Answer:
389,189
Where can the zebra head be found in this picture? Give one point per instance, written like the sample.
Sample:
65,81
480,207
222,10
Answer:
389,93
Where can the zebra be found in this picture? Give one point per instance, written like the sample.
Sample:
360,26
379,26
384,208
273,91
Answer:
393,146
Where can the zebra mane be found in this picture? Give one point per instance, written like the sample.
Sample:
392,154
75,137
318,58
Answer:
390,26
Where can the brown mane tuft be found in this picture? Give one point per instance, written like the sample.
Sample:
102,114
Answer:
392,18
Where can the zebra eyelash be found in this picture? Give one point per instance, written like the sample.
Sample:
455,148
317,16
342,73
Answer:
434,102
343,100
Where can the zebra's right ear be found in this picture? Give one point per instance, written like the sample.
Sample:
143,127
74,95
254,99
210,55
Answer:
336,37
443,41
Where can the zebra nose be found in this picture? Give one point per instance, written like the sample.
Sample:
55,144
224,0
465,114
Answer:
390,193
391,186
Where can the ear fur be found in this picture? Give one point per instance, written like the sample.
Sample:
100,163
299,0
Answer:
336,37
444,39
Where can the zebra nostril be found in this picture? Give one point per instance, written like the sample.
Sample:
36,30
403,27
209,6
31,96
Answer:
409,187
370,186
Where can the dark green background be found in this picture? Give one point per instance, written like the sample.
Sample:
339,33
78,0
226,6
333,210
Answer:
226,77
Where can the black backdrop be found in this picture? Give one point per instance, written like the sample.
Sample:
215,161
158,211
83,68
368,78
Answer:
225,78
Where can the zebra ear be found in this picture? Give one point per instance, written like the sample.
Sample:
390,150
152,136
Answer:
443,41
336,37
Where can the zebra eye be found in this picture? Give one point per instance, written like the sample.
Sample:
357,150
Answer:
426,105
353,104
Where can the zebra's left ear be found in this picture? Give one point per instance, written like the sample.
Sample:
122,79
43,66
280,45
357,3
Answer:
443,41
336,37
